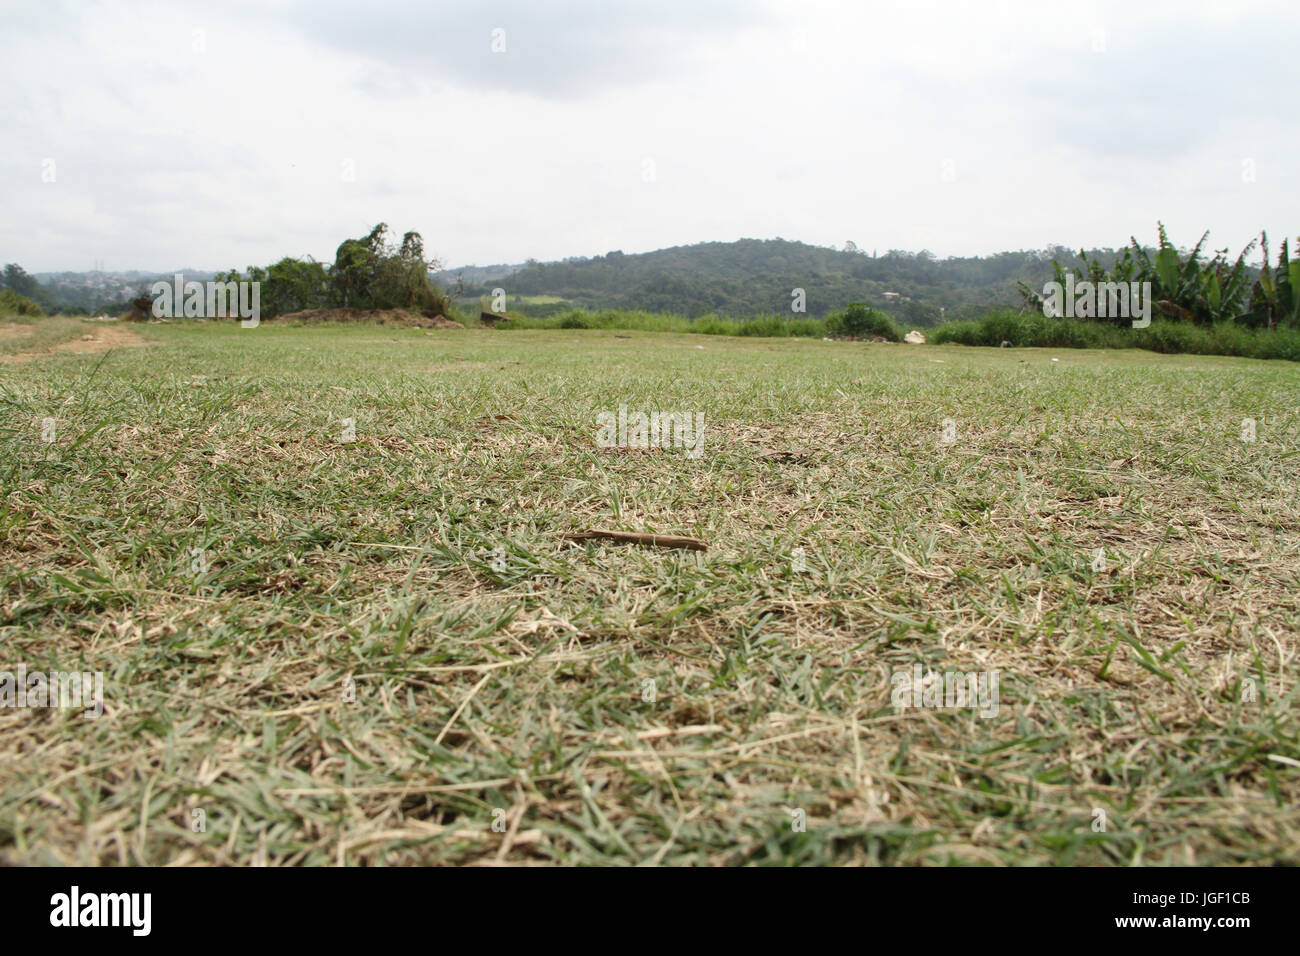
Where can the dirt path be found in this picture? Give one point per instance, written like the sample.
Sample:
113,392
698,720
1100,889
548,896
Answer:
92,340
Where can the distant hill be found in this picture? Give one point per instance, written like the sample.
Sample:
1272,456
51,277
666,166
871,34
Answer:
472,276
754,276
743,278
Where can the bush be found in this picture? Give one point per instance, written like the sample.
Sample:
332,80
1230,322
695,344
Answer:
1031,329
11,303
1034,330
860,321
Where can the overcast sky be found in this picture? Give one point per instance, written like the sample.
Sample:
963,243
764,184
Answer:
212,135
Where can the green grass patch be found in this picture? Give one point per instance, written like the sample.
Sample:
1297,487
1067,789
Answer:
765,326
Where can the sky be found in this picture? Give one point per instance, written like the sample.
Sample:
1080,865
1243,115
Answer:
216,135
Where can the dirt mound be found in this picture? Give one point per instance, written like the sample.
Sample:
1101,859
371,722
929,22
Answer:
400,317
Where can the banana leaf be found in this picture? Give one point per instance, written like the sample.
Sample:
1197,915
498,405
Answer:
1167,270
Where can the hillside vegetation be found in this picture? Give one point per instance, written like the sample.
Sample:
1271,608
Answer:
757,277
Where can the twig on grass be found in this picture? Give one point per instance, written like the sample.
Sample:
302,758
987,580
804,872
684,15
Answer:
637,537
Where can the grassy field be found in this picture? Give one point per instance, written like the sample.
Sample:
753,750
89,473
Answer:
319,650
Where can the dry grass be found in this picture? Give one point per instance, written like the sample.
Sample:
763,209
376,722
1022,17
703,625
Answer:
22,337
612,704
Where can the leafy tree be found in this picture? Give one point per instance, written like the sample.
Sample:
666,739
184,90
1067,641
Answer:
370,273
292,285
356,264
17,280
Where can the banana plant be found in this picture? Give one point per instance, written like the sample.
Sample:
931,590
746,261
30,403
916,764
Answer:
1264,297
1034,299
1166,271
1288,281
1276,293
1236,287
1212,290
1195,288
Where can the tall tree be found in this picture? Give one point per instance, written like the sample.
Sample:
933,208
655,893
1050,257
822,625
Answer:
16,279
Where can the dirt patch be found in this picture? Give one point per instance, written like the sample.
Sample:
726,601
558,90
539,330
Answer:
101,340
94,340
399,317
9,332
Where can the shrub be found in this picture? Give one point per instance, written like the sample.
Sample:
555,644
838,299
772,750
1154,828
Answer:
1034,330
860,321
11,303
